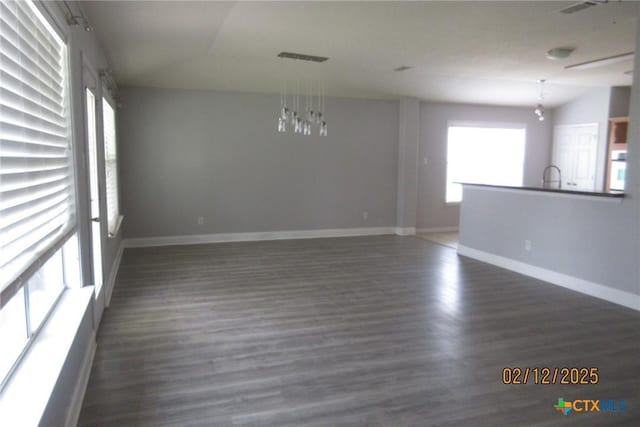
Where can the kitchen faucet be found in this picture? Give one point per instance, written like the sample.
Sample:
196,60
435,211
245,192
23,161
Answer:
544,176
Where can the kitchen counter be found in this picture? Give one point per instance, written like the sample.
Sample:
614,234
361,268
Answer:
610,194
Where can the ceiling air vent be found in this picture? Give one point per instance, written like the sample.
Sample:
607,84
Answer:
581,6
402,68
302,57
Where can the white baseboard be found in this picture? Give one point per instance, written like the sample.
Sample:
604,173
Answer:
81,386
597,290
254,236
405,231
112,274
438,229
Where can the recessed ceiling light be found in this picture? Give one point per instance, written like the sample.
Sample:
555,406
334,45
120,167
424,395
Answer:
559,52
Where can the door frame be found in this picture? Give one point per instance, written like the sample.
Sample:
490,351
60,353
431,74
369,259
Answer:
91,81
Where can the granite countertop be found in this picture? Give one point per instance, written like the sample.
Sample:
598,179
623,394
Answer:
615,194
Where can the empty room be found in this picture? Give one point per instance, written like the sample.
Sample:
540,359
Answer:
298,213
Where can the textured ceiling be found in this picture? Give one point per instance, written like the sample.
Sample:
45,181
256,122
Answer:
474,52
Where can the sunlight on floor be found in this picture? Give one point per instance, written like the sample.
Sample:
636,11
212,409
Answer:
449,239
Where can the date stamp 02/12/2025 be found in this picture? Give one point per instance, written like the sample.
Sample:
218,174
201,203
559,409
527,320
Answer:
549,376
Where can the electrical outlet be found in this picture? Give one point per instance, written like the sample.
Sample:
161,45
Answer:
365,215
527,245
200,220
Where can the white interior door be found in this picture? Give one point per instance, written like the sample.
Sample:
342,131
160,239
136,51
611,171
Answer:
575,153
562,155
586,149
92,149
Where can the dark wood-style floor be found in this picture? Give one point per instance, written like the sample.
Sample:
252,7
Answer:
365,331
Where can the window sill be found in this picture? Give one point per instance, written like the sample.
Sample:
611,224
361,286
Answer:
25,397
116,229
452,203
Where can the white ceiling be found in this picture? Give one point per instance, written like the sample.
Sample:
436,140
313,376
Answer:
473,52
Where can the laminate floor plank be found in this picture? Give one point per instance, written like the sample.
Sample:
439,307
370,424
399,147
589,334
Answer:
362,331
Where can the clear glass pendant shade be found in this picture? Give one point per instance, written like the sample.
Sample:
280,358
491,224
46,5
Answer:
323,129
302,117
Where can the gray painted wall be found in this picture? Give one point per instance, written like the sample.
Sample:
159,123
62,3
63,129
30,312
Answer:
582,238
433,212
619,101
189,154
592,107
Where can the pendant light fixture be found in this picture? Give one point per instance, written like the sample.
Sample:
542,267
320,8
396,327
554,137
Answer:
302,122
539,110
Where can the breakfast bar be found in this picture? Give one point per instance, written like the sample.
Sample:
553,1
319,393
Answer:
553,234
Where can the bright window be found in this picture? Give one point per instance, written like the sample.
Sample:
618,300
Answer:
37,191
111,166
13,332
483,155
44,288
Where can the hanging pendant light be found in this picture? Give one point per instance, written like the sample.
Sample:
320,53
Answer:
284,110
323,129
311,114
302,119
539,110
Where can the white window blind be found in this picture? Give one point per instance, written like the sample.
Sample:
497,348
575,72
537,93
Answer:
36,176
111,165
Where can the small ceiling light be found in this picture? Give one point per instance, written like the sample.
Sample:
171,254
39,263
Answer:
559,53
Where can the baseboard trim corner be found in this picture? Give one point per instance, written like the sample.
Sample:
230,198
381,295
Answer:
438,229
405,231
593,289
80,389
195,239
113,274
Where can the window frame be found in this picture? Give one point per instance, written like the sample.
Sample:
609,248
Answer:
54,24
113,223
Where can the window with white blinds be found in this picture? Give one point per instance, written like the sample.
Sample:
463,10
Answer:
36,173
111,166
